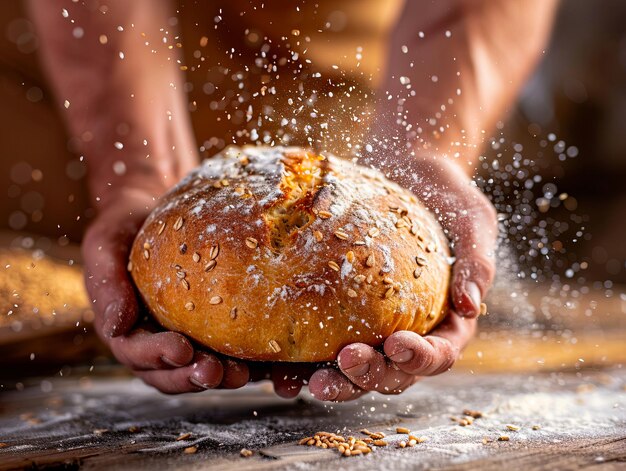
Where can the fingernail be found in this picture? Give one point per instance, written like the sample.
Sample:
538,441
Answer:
358,370
111,315
171,362
330,393
198,383
473,293
402,357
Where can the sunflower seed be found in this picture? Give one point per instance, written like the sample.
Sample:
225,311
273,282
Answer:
373,232
215,300
333,265
252,243
341,235
178,224
401,223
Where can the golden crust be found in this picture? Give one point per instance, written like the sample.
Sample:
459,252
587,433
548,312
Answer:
278,254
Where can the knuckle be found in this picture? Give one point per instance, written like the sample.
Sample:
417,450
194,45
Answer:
447,353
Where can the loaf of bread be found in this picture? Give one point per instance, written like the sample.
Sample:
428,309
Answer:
279,254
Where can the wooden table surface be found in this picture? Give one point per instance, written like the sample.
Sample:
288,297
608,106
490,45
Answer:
118,423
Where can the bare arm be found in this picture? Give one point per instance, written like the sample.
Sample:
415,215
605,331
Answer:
115,69
465,61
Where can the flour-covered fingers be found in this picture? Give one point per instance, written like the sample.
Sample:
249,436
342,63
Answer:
329,384
144,350
434,353
288,379
236,374
205,372
369,369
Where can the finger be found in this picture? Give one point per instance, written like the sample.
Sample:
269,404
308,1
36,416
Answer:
433,354
236,374
410,381
206,372
409,351
289,379
105,251
143,350
328,384
455,329
369,369
474,233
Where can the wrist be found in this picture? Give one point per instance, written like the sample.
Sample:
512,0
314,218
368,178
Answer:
115,177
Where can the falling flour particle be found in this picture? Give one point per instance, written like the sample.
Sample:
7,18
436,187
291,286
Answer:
119,167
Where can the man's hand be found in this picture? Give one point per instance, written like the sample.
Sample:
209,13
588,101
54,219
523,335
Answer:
455,67
165,360
470,222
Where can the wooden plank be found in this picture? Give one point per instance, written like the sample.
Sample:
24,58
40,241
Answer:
582,454
582,418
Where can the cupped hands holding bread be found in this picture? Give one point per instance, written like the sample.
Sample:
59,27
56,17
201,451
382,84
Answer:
282,255
296,277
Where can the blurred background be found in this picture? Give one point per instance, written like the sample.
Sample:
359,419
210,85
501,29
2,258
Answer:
563,263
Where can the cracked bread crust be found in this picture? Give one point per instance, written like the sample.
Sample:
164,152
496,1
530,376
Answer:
278,254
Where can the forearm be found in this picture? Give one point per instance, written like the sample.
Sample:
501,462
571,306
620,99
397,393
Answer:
119,86
464,64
